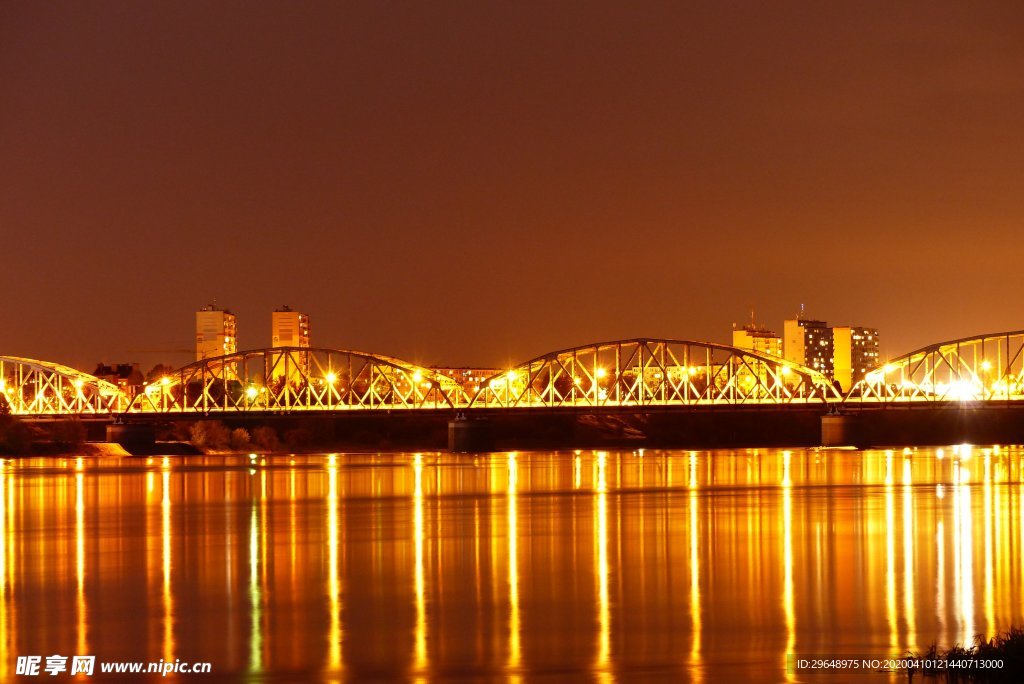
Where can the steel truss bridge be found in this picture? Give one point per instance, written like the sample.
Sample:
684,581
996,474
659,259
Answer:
634,373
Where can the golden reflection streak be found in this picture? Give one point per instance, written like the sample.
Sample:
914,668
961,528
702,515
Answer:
963,577
420,648
890,556
255,599
787,594
80,604
168,600
940,574
334,635
602,660
514,647
908,555
988,520
5,656
695,617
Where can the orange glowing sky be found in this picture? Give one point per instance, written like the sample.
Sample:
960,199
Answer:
478,183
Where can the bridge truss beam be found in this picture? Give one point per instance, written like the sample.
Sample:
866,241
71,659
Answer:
33,387
295,379
654,372
987,367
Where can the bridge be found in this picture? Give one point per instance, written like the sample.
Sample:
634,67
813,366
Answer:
635,373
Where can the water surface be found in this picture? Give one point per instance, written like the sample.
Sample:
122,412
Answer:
656,565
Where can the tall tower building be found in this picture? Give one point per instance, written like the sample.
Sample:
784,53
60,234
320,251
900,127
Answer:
216,332
808,343
856,352
289,328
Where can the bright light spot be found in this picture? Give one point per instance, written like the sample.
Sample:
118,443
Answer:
692,370
253,457
888,368
963,390
784,370
492,384
940,491
78,383
986,365
940,454
417,376
600,372
3,386
511,375
331,378
251,392
165,381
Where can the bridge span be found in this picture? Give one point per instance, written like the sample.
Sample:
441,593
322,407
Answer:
631,375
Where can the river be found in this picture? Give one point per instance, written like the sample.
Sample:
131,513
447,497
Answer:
588,565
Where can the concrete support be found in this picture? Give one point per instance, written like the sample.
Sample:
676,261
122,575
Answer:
469,435
839,429
132,436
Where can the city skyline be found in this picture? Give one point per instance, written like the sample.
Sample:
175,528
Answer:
478,185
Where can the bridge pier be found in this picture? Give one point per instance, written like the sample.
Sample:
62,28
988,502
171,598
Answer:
841,429
134,437
470,435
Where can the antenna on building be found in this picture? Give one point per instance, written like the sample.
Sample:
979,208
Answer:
800,316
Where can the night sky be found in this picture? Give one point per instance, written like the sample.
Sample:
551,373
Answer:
479,183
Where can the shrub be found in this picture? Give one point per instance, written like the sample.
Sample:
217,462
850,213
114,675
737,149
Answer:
265,438
209,434
15,436
298,439
240,440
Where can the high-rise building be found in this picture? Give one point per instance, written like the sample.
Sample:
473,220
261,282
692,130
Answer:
289,328
215,332
808,343
758,339
855,352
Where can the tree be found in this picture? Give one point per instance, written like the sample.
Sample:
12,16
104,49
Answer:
158,371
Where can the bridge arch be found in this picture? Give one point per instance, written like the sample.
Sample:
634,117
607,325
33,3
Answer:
293,379
34,387
654,372
987,367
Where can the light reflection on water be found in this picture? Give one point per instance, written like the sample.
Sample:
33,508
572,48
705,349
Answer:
597,565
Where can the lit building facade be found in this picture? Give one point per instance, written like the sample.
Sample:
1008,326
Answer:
760,340
290,329
127,376
470,379
855,351
757,339
809,343
216,333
